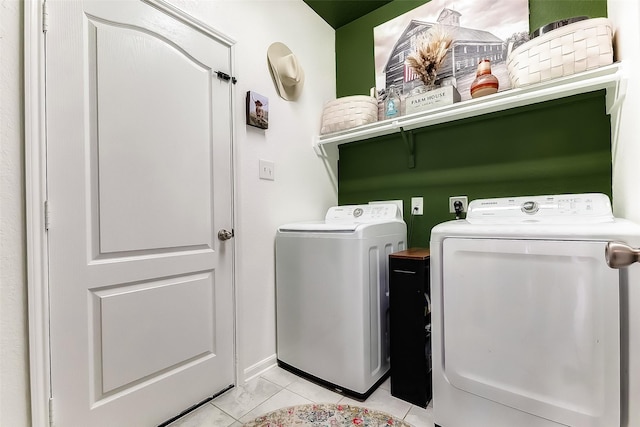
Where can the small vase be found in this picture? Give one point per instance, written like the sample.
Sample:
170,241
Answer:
485,82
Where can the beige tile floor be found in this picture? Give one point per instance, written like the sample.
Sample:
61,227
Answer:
277,388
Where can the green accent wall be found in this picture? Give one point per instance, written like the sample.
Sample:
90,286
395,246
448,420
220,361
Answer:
541,12
555,147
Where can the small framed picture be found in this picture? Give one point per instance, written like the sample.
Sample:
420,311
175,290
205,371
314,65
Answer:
257,110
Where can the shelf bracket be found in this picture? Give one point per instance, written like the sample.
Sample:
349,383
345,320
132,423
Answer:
616,94
407,136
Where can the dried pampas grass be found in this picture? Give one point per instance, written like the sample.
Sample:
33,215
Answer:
431,48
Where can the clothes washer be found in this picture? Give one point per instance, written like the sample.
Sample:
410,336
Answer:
332,296
526,314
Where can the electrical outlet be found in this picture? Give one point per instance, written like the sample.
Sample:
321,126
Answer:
416,206
462,199
267,170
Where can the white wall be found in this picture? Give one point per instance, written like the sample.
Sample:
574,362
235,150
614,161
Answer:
302,189
14,365
626,156
626,192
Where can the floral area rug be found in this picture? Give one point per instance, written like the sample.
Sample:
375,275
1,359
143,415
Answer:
326,415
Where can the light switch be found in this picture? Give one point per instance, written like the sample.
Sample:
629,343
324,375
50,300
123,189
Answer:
267,170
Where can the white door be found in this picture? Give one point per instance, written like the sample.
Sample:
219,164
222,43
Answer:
139,183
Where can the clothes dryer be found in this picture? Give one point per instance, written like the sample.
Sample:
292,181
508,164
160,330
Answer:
332,296
526,314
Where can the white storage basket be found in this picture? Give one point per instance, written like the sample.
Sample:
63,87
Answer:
348,112
570,49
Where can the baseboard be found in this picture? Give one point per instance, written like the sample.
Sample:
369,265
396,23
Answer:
259,368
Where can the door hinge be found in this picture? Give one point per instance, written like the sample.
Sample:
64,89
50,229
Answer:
51,412
47,215
45,17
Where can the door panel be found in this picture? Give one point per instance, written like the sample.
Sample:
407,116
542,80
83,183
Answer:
139,180
148,158
146,329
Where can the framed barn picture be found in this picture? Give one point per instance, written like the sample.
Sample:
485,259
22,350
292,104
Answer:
479,29
257,110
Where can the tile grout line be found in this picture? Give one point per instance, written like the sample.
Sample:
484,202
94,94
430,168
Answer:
260,403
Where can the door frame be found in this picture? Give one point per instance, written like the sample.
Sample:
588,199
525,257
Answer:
37,254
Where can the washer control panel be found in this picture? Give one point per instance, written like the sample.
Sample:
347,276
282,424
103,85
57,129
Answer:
589,207
362,213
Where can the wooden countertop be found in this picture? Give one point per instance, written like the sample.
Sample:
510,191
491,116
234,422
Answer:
412,253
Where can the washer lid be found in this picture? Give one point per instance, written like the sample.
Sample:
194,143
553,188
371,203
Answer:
553,209
348,218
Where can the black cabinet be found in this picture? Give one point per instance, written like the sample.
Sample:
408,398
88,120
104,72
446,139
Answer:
410,326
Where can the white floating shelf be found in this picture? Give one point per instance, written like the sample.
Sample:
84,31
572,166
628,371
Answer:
608,77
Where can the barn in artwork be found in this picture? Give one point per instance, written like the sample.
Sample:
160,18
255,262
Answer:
469,46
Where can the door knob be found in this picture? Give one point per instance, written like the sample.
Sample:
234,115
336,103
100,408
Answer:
225,234
619,255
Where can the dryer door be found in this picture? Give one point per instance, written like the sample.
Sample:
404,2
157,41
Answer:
534,325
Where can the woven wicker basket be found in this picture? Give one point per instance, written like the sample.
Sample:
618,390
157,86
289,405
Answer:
348,112
570,49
